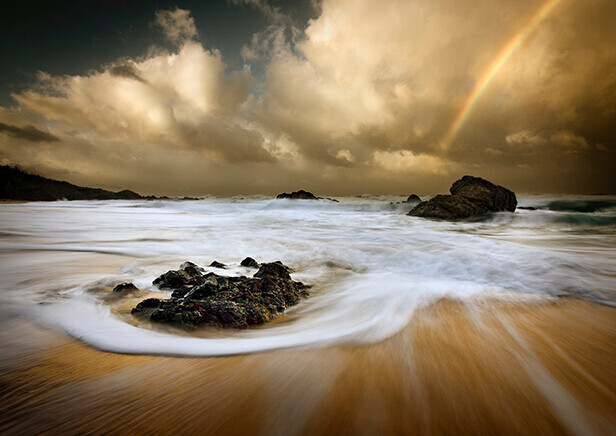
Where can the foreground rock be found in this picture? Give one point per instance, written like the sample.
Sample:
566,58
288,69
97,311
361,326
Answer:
470,197
298,195
220,301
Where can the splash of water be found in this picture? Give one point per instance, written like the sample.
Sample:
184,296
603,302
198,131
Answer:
371,265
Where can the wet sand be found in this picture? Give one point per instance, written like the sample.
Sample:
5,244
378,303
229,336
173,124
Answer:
484,367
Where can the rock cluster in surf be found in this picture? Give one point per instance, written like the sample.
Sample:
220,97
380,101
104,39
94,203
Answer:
200,298
470,197
298,195
302,195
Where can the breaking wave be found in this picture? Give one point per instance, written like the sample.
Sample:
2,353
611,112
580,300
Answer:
371,266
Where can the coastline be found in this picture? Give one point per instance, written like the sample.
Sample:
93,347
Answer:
458,367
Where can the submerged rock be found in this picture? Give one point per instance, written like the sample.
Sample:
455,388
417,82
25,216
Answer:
298,195
470,197
125,287
250,263
217,264
220,301
413,198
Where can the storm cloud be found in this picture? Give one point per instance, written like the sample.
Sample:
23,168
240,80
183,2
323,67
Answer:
358,99
27,133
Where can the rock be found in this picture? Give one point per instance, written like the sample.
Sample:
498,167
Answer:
527,208
148,303
219,301
216,264
183,277
128,195
298,195
250,263
448,207
413,198
273,269
494,197
470,197
125,287
17,184
172,279
192,269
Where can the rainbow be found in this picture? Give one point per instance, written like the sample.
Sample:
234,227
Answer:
495,67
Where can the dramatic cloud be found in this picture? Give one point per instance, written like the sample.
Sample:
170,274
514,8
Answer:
271,12
360,100
125,70
176,24
28,133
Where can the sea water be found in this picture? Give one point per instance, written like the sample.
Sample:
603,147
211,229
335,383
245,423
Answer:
370,265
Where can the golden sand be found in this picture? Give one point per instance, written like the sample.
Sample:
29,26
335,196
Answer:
458,368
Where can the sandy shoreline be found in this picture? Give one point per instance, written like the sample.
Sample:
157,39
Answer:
482,367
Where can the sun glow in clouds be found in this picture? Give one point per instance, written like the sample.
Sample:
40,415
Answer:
495,67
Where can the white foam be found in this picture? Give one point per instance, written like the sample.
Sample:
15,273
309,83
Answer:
371,265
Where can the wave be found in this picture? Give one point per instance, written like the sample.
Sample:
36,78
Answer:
370,265
583,206
550,219
586,220
348,204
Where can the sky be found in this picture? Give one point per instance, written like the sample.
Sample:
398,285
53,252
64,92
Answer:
339,97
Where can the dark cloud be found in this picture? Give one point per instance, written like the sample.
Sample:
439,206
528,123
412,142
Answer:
224,142
358,99
28,133
126,70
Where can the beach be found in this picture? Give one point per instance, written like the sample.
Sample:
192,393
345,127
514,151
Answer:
308,217
464,368
411,326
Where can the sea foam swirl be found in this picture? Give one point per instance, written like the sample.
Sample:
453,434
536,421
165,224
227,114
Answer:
370,265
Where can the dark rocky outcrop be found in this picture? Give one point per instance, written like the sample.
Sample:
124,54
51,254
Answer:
217,264
220,301
303,195
148,303
250,263
274,269
448,207
125,287
16,184
495,198
192,269
298,195
413,198
175,279
470,197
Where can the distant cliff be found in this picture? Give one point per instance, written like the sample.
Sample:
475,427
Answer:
16,184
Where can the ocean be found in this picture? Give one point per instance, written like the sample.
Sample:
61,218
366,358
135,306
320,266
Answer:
371,267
